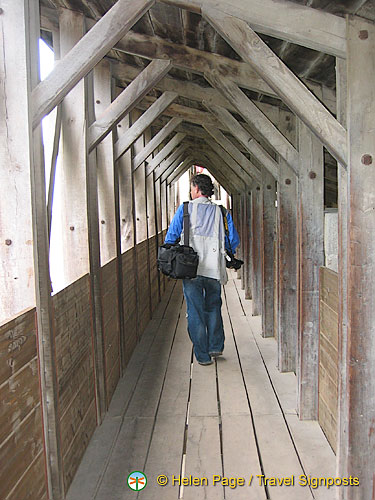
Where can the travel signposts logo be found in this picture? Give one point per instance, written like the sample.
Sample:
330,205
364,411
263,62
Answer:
137,480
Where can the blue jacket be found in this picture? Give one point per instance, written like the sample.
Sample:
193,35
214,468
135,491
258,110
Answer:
176,226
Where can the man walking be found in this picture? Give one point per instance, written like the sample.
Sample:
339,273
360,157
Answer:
203,293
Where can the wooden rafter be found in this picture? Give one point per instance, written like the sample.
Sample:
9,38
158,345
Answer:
127,100
85,55
290,89
292,22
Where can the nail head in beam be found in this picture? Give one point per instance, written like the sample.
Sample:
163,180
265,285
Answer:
81,59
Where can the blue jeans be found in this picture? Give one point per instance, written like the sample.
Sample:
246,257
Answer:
205,324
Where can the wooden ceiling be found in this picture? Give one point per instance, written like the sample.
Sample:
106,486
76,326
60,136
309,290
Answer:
180,27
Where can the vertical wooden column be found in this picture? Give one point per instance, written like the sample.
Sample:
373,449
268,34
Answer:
242,271
360,361
311,220
105,163
268,250
248,259
74,160
94,260
23,197
287,268
342,178
164,204
17,290
139,179
287,300
124,168
125,223
257,238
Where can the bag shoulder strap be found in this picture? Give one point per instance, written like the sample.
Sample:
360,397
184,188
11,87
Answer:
186,223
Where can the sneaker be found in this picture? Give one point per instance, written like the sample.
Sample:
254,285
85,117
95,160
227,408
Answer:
205,363
216,354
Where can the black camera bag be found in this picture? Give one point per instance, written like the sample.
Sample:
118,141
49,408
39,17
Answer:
179,261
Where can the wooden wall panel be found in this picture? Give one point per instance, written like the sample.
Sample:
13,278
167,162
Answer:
75,372
144,315
130,305
22,472
111,327
328,354
154,273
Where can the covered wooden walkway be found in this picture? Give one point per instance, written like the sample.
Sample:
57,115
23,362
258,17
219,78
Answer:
234,419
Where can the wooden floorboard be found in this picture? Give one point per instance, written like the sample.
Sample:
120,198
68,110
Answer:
270,427
234,418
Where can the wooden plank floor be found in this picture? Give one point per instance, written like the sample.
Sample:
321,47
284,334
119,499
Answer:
233,419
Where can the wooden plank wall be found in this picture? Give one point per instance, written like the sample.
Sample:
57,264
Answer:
154,281
328,354
130,302
22,471
75,372
143,281
111,327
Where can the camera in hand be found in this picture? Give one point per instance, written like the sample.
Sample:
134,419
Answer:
231,261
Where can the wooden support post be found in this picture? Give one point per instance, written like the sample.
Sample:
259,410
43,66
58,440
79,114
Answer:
248,248
257,238
73,163
268,250
287,316
25,275
16,250
105,166
290,89
287,300
164,205
342,177
311,257
360,349
94,259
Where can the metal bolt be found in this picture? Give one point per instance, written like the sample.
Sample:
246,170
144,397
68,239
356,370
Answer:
119,125
268,187
97,101
137,218
363,34
102,222
288,181
123,220
258,188
71,228
366,159
312,175
8,242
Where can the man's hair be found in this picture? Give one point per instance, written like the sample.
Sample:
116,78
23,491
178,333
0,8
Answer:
204,184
